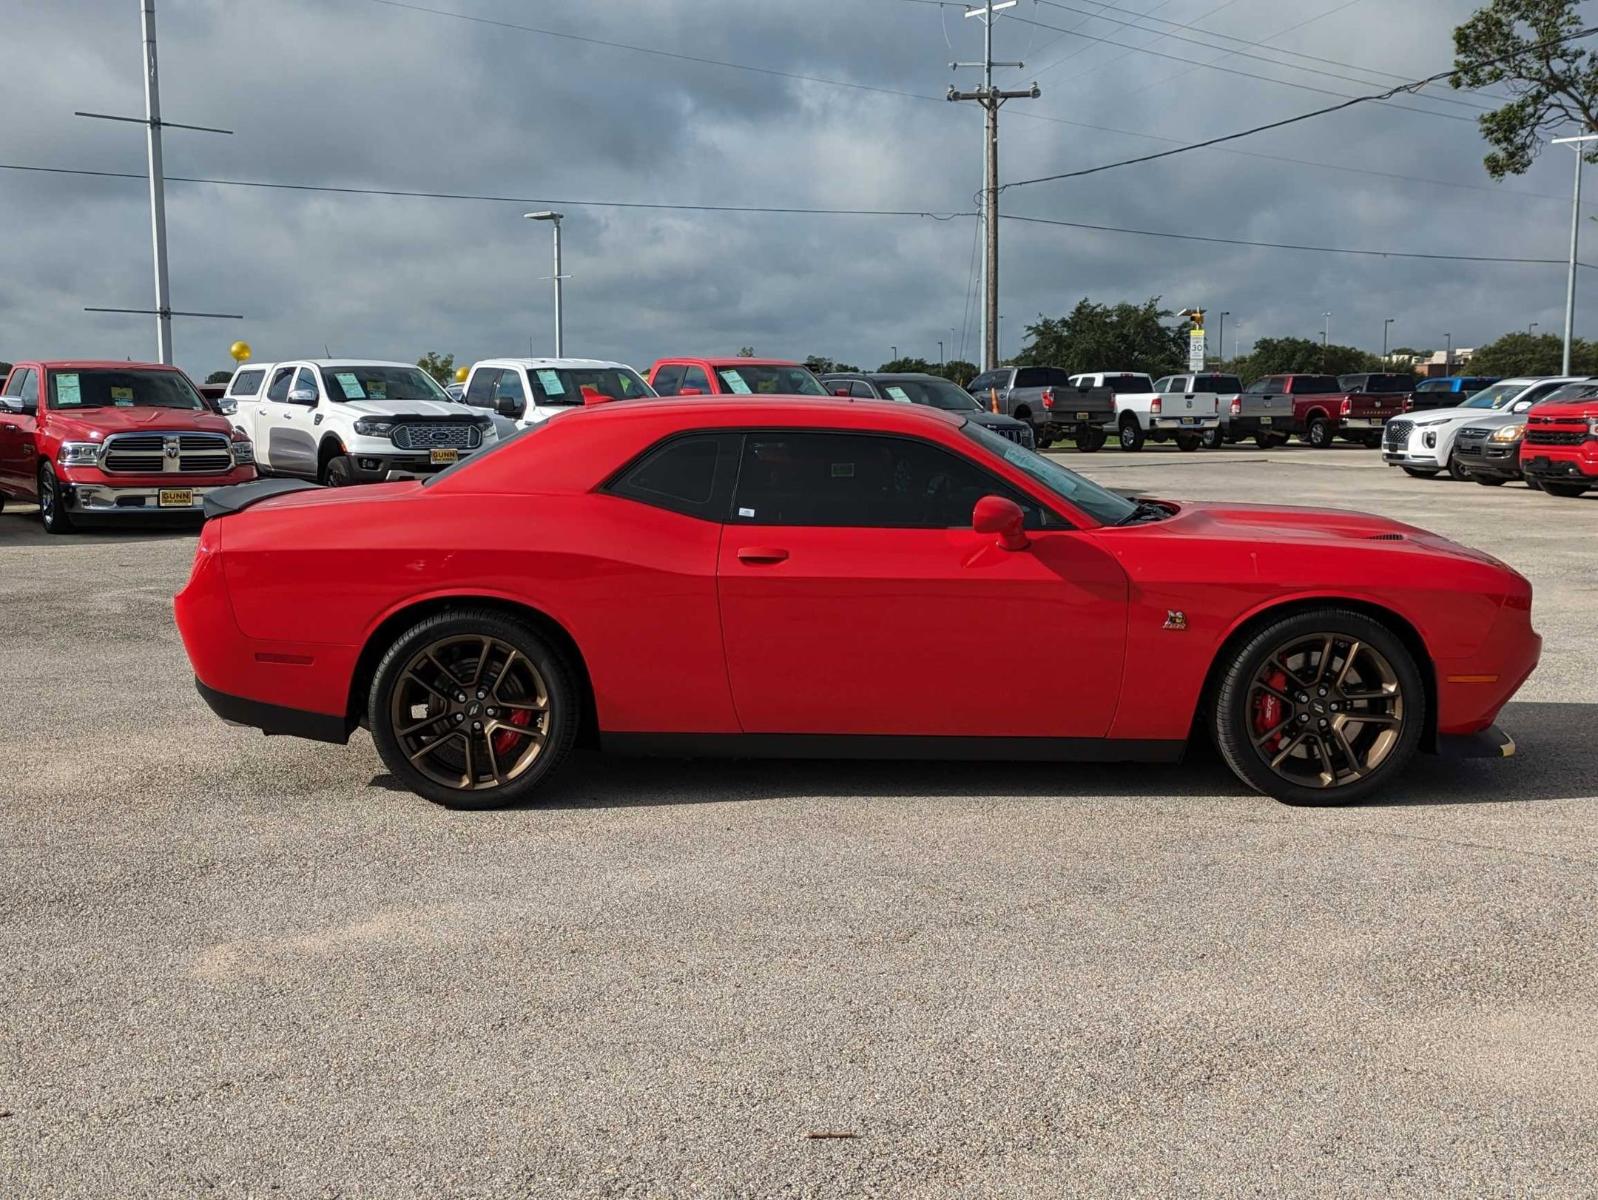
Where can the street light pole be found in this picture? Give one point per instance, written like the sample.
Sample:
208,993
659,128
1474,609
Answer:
1575,233
895,355
554,219
1220,337
1448,355
940,352
1530,327
1326,338
1386,325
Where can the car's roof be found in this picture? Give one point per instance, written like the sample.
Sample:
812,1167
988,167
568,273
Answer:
770,410
549,363
98,364
729,362
345,362
884,376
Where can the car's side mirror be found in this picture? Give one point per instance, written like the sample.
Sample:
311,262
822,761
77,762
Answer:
511,406
690,391
1003,518
302,396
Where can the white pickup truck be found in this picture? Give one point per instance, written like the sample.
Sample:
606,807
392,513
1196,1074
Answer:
350,421
530,390
1142,412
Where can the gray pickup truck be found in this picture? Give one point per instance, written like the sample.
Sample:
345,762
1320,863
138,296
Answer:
1045,396
1262,411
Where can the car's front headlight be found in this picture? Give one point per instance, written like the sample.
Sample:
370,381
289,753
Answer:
1592,426
243,451
373,427
79,454
1509,433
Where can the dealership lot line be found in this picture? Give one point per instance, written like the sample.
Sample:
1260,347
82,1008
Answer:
230,964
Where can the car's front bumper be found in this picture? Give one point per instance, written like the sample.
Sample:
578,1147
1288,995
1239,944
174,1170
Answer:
1492,460
374,467
1566,464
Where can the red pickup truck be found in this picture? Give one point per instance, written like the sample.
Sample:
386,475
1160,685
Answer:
1560,450
733,377
109,439
1323,411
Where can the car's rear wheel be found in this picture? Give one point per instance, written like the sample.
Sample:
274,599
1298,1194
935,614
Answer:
1212,439
1319,434
1091,441
1269,441
1189,441
1130,432
472,709
1568,491
53,513
1322,707
1418,473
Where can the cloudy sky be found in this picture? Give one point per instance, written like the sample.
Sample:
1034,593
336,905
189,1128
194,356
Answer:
370,94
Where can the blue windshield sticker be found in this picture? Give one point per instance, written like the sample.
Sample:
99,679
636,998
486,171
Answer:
67,391
351,385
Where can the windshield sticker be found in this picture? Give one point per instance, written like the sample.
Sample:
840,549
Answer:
351,385
736,382
746,512
122,397
895,392
377,389
67,391
550,382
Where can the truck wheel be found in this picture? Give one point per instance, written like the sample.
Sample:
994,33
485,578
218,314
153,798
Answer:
1188,441
1091,441
337,472
1372,443
1268,441
1212,439
1567,491
1319,434
1130,432
52,508
1417,473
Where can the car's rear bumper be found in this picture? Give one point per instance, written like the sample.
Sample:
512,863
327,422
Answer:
275,719
1491,742
1248,426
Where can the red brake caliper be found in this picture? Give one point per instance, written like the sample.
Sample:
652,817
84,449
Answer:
1269,712
505,740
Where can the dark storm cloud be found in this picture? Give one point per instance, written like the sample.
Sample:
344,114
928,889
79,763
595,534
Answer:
355,93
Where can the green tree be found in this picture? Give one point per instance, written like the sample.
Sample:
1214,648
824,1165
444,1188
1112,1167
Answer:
1521,353
1104,337
957,370
219,377
1295,355
746,351
440,366
822,365
1553,86
5,369
908,364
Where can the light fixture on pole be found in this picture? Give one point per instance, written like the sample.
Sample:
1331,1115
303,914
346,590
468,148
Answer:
554,219
1386,325
1575,231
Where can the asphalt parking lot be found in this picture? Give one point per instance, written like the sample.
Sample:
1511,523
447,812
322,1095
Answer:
232,965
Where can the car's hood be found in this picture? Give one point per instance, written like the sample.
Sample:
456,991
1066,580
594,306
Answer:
1272,525
86,422
992,420
405,408
1441,416
1490,419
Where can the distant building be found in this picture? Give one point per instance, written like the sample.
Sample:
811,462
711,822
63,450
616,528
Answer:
1441,362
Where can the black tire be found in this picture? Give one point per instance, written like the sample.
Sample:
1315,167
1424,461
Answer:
338,471
1043,443
1092,441
1490,480
1188,442
541,666
1457,471
52,513
1130,432
1269,441
1212,439
1372,443
1566,491
1231,715
1319,434
1417,473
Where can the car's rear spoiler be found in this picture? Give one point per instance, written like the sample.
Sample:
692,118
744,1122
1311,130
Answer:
228,500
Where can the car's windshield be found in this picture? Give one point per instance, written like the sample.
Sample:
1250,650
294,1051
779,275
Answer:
123,389
1497,396
565,385
938,393
766,380
1571,391
1086,495
357,382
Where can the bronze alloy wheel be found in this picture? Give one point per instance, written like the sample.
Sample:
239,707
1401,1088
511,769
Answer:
470,712
1325,710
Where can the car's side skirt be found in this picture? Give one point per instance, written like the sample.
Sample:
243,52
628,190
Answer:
829,745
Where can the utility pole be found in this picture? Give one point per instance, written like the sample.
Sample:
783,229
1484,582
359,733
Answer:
1326,338
991,99
153,125
1580,144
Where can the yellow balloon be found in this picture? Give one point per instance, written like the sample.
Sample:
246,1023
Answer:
460,374
240,351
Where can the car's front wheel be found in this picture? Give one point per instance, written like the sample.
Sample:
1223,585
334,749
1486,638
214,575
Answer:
472,709
53,513
338,471
1319,434
1131,433
1457,471
1322,707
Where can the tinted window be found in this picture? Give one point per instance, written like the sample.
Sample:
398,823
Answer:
1259,387
1124,384
933,392
28,388
305,381
860,480
690,475
110,388
246,383
668,379
279,391
1216,383
1435,385
862,390
1030,377
1314,385
480,391
984,383
14,384
695,377
765,379
510,387
567,385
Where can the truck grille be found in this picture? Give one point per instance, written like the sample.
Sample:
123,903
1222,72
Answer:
167,454
1017,433
437,436
1396,434
1555,437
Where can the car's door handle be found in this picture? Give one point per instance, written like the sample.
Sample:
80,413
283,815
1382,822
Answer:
761,554
10,426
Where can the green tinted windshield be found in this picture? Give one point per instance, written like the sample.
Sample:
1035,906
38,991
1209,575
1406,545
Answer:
1086,495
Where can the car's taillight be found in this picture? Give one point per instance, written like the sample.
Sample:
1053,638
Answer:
1048,397
1237,406
1346,407
1154,406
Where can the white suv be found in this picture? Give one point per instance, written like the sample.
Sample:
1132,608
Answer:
352,421
1422,443
530,390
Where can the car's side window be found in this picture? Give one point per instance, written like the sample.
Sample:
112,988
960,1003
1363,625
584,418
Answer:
29,391
668,379
307,381
1163,385
246,383
861,481
510,386
694,377
480,390
281,381
691,475
861,390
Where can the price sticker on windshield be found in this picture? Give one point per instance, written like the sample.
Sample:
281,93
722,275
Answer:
351,385
550,382
67,390
122,397
736,382
896,392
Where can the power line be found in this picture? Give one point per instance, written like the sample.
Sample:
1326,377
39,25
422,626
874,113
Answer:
1319,112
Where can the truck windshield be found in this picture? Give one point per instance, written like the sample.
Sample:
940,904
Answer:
1086,495
566,385
123,389
361,382
936,393
764,379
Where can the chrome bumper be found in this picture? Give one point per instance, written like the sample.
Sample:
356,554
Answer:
97,499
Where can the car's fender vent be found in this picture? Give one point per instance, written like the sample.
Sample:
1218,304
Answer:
1385,537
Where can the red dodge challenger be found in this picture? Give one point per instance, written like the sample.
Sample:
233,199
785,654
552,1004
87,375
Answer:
790,577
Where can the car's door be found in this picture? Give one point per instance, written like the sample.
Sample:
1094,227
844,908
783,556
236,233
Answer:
667,379
510,395
284,416
695,382
857,599
19,413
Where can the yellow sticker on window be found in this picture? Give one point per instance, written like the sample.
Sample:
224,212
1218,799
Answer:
122,397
